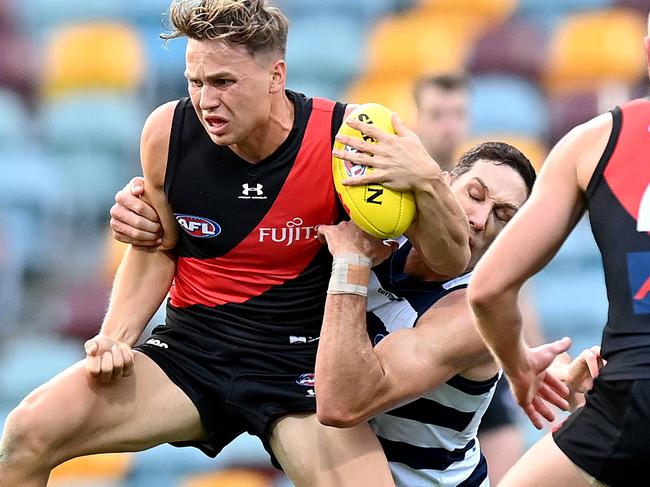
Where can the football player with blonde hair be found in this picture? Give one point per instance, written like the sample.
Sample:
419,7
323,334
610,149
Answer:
236,175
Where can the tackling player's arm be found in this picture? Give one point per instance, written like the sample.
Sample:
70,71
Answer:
355,382
523,248
440,231
132,220
145,275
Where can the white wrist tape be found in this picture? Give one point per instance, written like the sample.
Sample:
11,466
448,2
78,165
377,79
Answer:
350,275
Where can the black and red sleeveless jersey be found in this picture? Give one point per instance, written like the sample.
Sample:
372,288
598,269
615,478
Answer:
249,263
619,209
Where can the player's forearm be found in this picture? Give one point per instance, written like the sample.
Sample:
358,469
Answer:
441,232
141,284
500,323
348,371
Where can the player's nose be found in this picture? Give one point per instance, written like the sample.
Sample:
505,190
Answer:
209,98
479,217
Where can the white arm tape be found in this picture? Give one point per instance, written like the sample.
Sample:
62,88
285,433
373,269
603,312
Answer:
348,274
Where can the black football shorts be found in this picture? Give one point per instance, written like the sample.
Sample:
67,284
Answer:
609,437
236,385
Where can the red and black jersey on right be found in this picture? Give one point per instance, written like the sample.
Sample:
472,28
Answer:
619,209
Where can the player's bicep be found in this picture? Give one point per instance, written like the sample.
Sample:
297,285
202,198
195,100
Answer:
155,196
154,147
444,343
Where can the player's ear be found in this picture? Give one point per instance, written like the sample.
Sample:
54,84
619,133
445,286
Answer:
278,76
446,175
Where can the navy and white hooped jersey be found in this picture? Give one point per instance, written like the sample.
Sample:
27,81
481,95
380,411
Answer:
430,441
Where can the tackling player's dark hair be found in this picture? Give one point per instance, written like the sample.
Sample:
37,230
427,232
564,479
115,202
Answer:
497,153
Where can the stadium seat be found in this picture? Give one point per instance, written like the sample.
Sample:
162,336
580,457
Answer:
591,49
93,56
229,478
570,292
641,90
415,43
579,251
570,110
17,63
7,16
640,5
364,11
516,47
92,470
30,361
395,93
559,7
33,188
15,125
85,306
93,122
494,10
166,62
570,302
325,47
510,105
148,12
12,270
41,16
534,149
96,178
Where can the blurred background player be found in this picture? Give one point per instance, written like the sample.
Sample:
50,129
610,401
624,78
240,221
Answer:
442,116
603,167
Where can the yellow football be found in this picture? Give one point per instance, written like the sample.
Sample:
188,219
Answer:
380,211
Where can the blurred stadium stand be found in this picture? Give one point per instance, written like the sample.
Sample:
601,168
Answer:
78,77
507,104
511,47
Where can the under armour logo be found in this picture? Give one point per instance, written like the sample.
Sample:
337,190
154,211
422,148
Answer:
256,190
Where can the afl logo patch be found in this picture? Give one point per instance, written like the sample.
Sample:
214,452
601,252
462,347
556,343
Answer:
198,227
353,170
306,380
